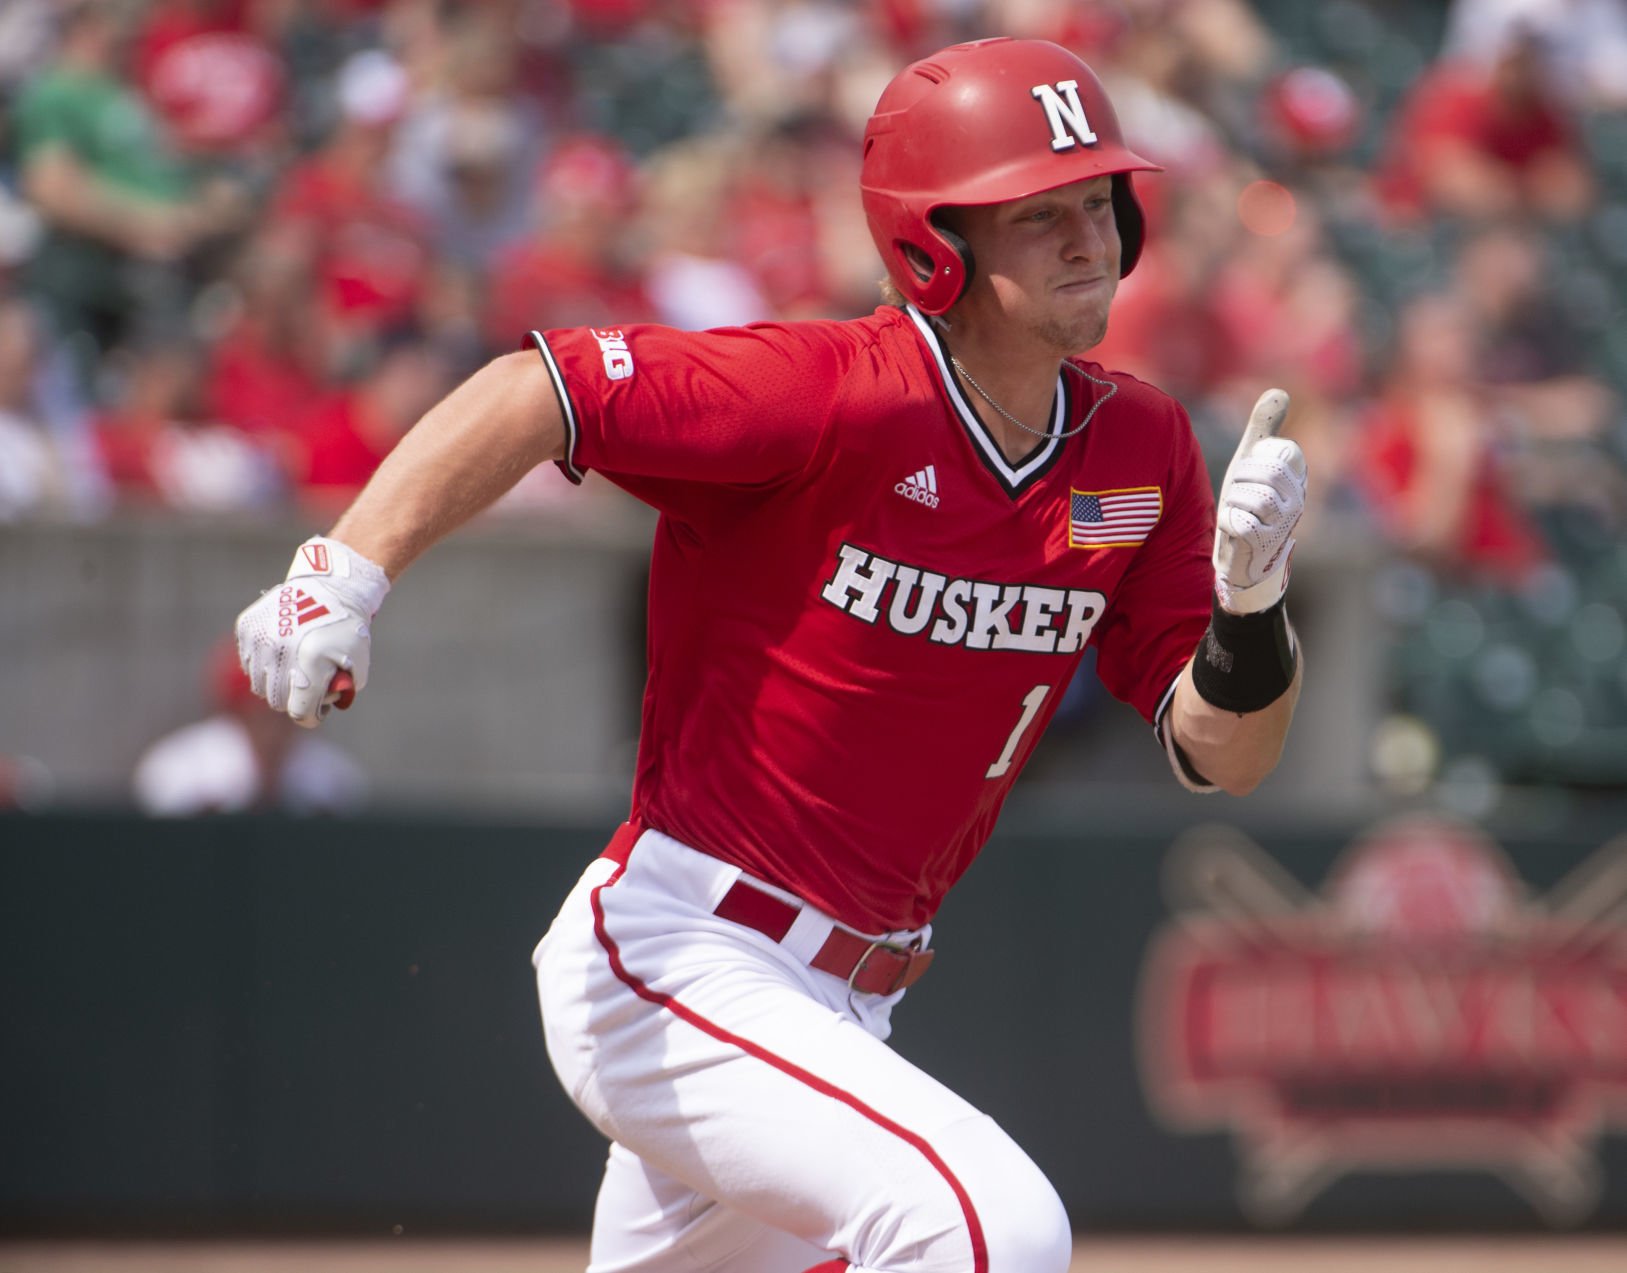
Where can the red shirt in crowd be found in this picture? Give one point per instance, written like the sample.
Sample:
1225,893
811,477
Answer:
1494,537
372,251
340,451
1460,104
546,285
255,387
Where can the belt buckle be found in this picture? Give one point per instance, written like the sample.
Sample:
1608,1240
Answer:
909,952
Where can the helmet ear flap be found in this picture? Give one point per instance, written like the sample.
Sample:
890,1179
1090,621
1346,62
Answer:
939,265
1131,221
963,250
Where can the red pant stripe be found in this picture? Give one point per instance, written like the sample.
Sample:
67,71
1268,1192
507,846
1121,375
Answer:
974,1228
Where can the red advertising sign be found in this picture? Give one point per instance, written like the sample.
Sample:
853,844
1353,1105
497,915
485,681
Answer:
1423,1011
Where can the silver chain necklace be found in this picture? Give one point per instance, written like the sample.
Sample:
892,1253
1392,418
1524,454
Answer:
1041,433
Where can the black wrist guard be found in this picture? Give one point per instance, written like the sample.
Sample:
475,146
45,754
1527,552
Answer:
1245,661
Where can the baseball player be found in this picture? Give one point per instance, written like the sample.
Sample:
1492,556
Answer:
884,545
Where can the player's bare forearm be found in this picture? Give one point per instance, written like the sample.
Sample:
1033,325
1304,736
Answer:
1232,750
469,449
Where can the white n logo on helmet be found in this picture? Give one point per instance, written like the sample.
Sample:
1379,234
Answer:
1064,114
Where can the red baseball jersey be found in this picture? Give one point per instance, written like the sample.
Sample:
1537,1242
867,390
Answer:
862,615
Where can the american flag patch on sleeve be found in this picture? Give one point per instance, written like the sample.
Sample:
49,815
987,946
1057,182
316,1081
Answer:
1113,519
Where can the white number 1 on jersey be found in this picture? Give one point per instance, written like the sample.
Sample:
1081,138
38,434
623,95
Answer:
1031,705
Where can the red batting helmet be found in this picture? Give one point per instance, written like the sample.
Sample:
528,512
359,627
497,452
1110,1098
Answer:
983,123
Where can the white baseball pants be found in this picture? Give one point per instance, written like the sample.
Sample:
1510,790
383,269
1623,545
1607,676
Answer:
759,1122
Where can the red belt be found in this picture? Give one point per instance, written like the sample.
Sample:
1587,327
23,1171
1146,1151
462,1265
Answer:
870,966
874,967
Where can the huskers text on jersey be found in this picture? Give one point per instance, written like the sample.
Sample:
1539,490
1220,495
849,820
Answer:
976,613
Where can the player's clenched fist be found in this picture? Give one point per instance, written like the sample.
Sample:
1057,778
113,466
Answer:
1261,499
298,635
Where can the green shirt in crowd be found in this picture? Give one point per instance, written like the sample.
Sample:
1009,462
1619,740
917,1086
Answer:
109,130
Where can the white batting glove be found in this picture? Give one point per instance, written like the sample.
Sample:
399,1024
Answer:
298,635
1261,499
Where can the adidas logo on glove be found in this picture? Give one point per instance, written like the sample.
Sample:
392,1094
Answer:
295,605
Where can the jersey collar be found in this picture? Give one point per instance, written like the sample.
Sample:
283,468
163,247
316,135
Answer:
1016,478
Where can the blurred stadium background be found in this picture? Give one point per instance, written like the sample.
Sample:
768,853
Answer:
244,243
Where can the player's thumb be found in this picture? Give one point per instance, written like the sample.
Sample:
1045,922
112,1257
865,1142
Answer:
1265,421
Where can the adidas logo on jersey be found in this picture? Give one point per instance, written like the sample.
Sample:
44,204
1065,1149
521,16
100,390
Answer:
921,486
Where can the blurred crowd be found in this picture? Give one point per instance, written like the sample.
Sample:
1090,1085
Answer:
245,243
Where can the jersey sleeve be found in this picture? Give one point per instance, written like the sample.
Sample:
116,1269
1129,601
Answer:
656,409
1161,608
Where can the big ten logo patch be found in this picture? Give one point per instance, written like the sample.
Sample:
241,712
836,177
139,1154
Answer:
618,359
1422,1012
